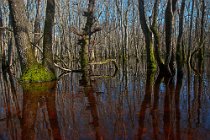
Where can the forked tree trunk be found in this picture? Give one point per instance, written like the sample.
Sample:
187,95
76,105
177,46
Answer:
151,65
154,29
32,71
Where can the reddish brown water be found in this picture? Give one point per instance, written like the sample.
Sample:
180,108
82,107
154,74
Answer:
132,105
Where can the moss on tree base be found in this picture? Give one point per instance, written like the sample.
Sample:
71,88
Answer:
37,73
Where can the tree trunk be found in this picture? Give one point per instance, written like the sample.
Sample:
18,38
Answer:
179,54
190,33
154,29
47,42
169,27
32,71
1,32
85,37
201,52
37,28
151,65
21,34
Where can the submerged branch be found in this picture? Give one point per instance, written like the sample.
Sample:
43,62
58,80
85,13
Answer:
104,62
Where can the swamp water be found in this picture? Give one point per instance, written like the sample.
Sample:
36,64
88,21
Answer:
130,104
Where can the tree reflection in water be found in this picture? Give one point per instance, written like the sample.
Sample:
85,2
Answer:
134,104
88,90
39,116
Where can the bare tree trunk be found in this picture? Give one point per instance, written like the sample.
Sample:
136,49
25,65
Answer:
203,10
1,31
85,40
154,29
47,42
37,28
148,37
190,33
179,55
21,33
169,26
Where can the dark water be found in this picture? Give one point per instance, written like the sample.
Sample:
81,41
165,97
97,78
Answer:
133,104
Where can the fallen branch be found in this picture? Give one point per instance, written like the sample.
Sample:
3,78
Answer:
105,76
105,62
62,68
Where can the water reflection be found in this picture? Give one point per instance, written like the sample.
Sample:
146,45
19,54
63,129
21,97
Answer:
135,104
39,116
89,93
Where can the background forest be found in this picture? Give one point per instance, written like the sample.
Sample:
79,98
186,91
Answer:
120,37
105,69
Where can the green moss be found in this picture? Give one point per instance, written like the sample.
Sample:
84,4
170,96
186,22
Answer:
151,63
37,73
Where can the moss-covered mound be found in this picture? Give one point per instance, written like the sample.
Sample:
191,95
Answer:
37,73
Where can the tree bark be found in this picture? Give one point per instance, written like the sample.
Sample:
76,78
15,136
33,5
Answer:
169,27
21,33
47,42
37,28
154,29
190,33
31,69
201,52
151,65
179,55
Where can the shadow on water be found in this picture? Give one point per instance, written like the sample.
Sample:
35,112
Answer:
133,104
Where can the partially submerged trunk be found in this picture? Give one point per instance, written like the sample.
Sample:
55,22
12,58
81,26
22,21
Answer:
85,36
32,71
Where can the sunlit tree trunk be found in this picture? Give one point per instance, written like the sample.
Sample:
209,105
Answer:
151,65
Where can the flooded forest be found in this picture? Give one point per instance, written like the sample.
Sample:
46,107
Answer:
104,70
